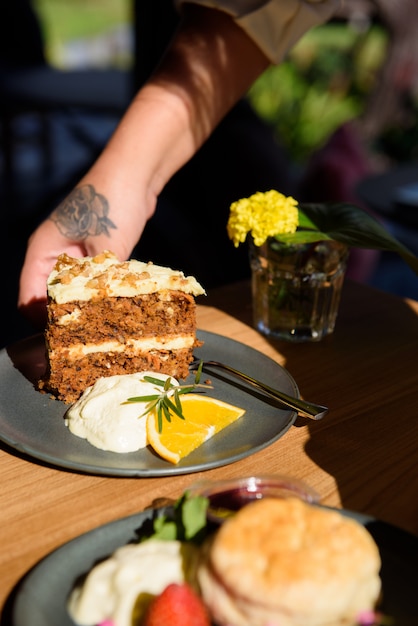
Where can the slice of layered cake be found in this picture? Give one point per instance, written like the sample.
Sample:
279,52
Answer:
108,317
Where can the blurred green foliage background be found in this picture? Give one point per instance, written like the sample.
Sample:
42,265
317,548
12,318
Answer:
324,82
68,20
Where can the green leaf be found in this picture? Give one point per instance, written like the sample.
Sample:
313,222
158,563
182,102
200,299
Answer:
198,373
155,381
354,227
177,399
160,418
165,529
185,522
305,222
174,408
302,236
166,410
141,399
194,515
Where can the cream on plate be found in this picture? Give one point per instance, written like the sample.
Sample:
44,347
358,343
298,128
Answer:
114,587
101,417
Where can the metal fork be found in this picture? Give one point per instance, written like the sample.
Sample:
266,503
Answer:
307,409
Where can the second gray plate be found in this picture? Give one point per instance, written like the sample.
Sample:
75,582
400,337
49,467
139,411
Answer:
40,599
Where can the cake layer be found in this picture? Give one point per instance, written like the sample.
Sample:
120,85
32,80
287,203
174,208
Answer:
68,379
170,313
131,347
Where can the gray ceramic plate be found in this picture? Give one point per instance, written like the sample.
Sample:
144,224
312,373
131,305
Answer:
40,599
33,424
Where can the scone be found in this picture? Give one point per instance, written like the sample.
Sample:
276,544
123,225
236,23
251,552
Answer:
288,563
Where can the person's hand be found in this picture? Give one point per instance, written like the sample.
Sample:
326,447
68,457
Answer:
44,246
80,226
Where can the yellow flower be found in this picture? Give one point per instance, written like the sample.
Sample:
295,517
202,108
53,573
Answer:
263,215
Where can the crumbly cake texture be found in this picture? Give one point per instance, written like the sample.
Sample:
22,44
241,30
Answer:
107,317
283,561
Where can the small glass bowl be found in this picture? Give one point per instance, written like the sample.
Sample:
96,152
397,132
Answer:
226,497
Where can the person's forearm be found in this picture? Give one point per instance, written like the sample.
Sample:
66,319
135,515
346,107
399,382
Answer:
208,68
210,65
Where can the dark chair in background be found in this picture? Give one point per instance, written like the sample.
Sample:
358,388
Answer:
30,85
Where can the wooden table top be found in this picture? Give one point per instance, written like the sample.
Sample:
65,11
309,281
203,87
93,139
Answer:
362,456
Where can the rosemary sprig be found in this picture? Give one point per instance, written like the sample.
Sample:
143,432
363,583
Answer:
162,402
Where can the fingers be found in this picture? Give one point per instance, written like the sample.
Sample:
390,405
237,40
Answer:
44,246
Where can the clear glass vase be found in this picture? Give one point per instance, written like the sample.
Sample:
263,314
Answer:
296,288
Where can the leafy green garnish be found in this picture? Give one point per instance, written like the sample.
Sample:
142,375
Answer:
186,522
162,402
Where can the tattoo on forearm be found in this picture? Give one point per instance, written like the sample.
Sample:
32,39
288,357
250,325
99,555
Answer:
83,213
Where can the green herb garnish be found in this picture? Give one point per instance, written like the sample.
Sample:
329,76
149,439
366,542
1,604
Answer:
162,402
185,522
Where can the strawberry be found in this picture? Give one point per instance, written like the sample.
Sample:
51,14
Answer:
177,605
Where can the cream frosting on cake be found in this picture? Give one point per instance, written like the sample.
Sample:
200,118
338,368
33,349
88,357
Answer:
105,276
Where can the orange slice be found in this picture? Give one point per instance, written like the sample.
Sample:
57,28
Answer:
203,417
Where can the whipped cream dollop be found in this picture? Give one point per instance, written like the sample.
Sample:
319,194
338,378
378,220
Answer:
101,417
112,589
